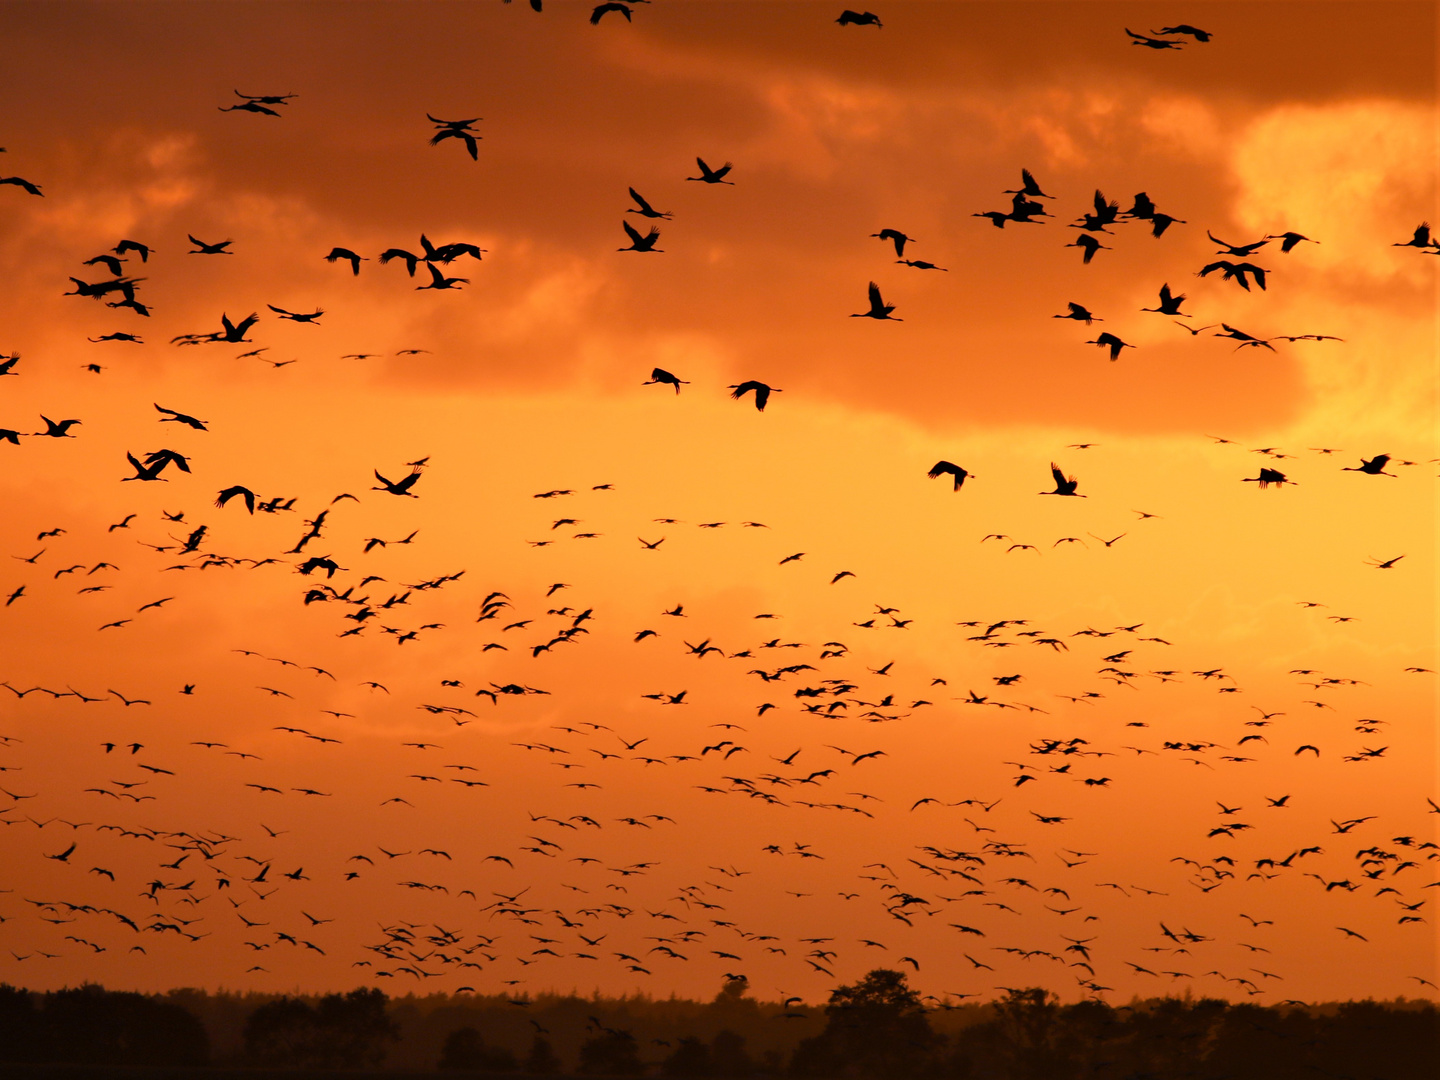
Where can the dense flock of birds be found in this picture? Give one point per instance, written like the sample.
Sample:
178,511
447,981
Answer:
533,884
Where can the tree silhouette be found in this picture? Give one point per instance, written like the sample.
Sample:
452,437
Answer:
691,1058
92,1026
465,1049
541,1061
728,1056
341,1031
611,1053
874,1028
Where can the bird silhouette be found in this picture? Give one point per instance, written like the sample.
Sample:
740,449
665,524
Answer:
1151,42
457,129
1268,477
202,248
762,395
398,487
1064,485
878,308
605,9
712,176
645,209
1089,245
349,256
859,18
662,377
1169,303
1289,240
896,237
1185,28
57,429
1421,238
1028,187
641,243
1242,251
943,468
1237,272
1109,341
440,281
23,184
1079,313
300,317
1374,467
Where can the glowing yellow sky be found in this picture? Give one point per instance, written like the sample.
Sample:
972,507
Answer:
530,381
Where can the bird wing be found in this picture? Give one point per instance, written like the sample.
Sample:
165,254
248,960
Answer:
631,231
875,299
640,200
1057,474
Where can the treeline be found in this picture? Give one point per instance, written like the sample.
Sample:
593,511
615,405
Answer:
875,1029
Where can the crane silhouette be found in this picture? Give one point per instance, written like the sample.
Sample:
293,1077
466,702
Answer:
878,308
1374,467
665,378
946,468
762,392
1064,485
712,176
1169,303
1109,341
640,243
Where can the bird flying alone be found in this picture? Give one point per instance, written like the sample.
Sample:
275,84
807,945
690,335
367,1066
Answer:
762,392
1111,342
644,243
659,376
712,176
947,468
1064,485
878,308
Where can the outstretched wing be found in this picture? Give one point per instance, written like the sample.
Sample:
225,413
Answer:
1057,474
876,301
631,232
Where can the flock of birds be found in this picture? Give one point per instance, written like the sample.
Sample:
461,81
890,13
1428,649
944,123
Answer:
544,880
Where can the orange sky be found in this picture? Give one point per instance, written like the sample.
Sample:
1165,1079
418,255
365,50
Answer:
1318,118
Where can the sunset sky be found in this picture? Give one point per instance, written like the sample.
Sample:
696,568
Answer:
803,858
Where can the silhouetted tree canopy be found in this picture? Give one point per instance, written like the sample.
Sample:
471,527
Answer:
541,1060
89,1025
340,1031
874,1028
611,1053
465,1049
